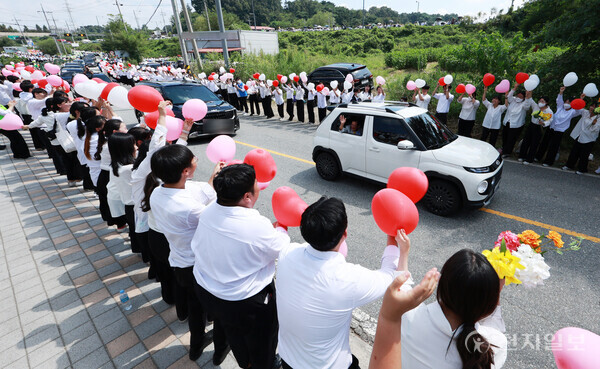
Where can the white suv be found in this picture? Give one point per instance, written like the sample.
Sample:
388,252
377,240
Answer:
380,137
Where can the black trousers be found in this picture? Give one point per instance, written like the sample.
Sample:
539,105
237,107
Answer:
17,144
280,110
491,133
243,103
300,110
580,154
87,180
509,138
354,364
554,138
143,240
442,117
254,104
465,127
531,141
233,100
130,217
57,158
223,92
266,103
74,168
250,325
322,114
102,192
159,248
184,277
310,106
289,107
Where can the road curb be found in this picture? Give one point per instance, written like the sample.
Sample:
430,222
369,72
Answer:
364,326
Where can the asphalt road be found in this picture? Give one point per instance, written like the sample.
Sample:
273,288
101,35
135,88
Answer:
571,297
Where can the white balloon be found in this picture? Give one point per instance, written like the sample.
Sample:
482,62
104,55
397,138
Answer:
302,74
284,79
590,90
333,84
447,80
350,78
570,79
221,70
118,97
202,75
37,75
311,86
304,79
420,83
269,83
86,89
535,78
530,84
347,85
25,74
262,77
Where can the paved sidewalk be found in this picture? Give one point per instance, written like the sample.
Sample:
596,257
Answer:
61,269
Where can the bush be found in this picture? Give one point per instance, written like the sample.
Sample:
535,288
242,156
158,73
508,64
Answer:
412,58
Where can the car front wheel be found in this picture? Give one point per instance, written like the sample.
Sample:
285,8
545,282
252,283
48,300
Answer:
327,167
442,198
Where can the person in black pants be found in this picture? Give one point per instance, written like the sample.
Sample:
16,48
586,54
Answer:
159,248
253,96
585,135
299,103
310,104
533,133
17,142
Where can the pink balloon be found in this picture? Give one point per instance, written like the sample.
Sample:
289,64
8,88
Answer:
9,67
6,72
52,68
79,77
575,348
470,88
411,85
17,86
20,69
37,75
325,91
195,109
503,86
11,122
174,128
55,81
380,80
221,148
263,185
343,249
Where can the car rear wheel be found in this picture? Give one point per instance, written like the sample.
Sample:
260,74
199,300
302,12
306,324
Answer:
328,167
442,198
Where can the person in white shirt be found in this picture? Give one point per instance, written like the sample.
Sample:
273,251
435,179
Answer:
444,100
231,93
493,118
463,328
321,105
22,108
514,119
48,126
77,130
468,112
177,205
561,122
310,102
212,85
585,135
235,249
253,95
421,97
334,96
289,100
314,330
380,97
278,94
299,102
533,132
347,96
366,94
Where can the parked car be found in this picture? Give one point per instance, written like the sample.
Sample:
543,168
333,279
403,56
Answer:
67,73
221,117
461,171
338,72
102,76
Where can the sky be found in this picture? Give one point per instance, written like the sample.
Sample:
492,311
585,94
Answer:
84,12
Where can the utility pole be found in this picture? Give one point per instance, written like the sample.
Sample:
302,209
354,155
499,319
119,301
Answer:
72,38
56,28
70,15
191,30
418,6
363,22
136,20
20,30
222,30
162,13
253,15
206,12
50,29
179,32
122,21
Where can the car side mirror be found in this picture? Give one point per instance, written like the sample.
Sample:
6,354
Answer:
406,145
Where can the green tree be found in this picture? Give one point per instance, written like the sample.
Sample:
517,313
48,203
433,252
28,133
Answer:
124,38
321,19
48,46
230,20
266,11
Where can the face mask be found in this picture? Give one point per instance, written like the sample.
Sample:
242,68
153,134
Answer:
541,105
518,99
567,106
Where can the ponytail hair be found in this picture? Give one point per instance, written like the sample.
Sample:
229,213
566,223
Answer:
49,106
149,186
85,114
110,126
470,288
91,127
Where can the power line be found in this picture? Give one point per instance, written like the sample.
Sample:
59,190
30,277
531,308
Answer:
154,12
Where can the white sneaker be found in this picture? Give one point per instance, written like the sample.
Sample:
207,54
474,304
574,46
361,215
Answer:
72,184
520,160
525,162
281,119
565,168
578,172
545,165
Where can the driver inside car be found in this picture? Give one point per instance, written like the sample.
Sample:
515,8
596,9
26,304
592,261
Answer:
354,128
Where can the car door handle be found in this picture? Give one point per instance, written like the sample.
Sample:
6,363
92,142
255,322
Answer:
374,149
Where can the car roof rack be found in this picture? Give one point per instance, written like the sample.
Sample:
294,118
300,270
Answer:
385,106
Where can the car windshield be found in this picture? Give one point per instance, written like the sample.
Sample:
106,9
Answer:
182,93
361,73
432,133
102,76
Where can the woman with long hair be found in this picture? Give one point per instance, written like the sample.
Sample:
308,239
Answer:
102,152
93,131
81,112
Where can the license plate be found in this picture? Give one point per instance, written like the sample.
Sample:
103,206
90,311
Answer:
365,81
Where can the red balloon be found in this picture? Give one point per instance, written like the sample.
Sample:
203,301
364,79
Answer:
319,87
522,77
231,70
393,211
441,81
211,78
263,163
65,86
34,81
152,118
106,90
461,89
43,73
296,78
410,181
288,207
578,104
144,98
256,75
279,76
275,83
30,68
42,83
246,87
488,79
98,80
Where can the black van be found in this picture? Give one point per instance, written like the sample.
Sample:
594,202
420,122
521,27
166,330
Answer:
338,72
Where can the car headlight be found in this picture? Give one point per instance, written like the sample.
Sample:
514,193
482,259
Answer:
482,187
478,169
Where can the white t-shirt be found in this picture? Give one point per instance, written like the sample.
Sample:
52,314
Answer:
469,108
424,103
493,116
443,105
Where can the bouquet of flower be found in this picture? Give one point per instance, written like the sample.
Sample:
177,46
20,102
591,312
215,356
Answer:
597,110
541,115
518,258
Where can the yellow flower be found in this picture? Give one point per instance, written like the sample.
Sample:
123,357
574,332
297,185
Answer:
530,238
505,264
556,238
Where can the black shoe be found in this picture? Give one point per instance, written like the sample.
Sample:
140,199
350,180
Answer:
182,315
277,362
151,273
220,355
196,352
